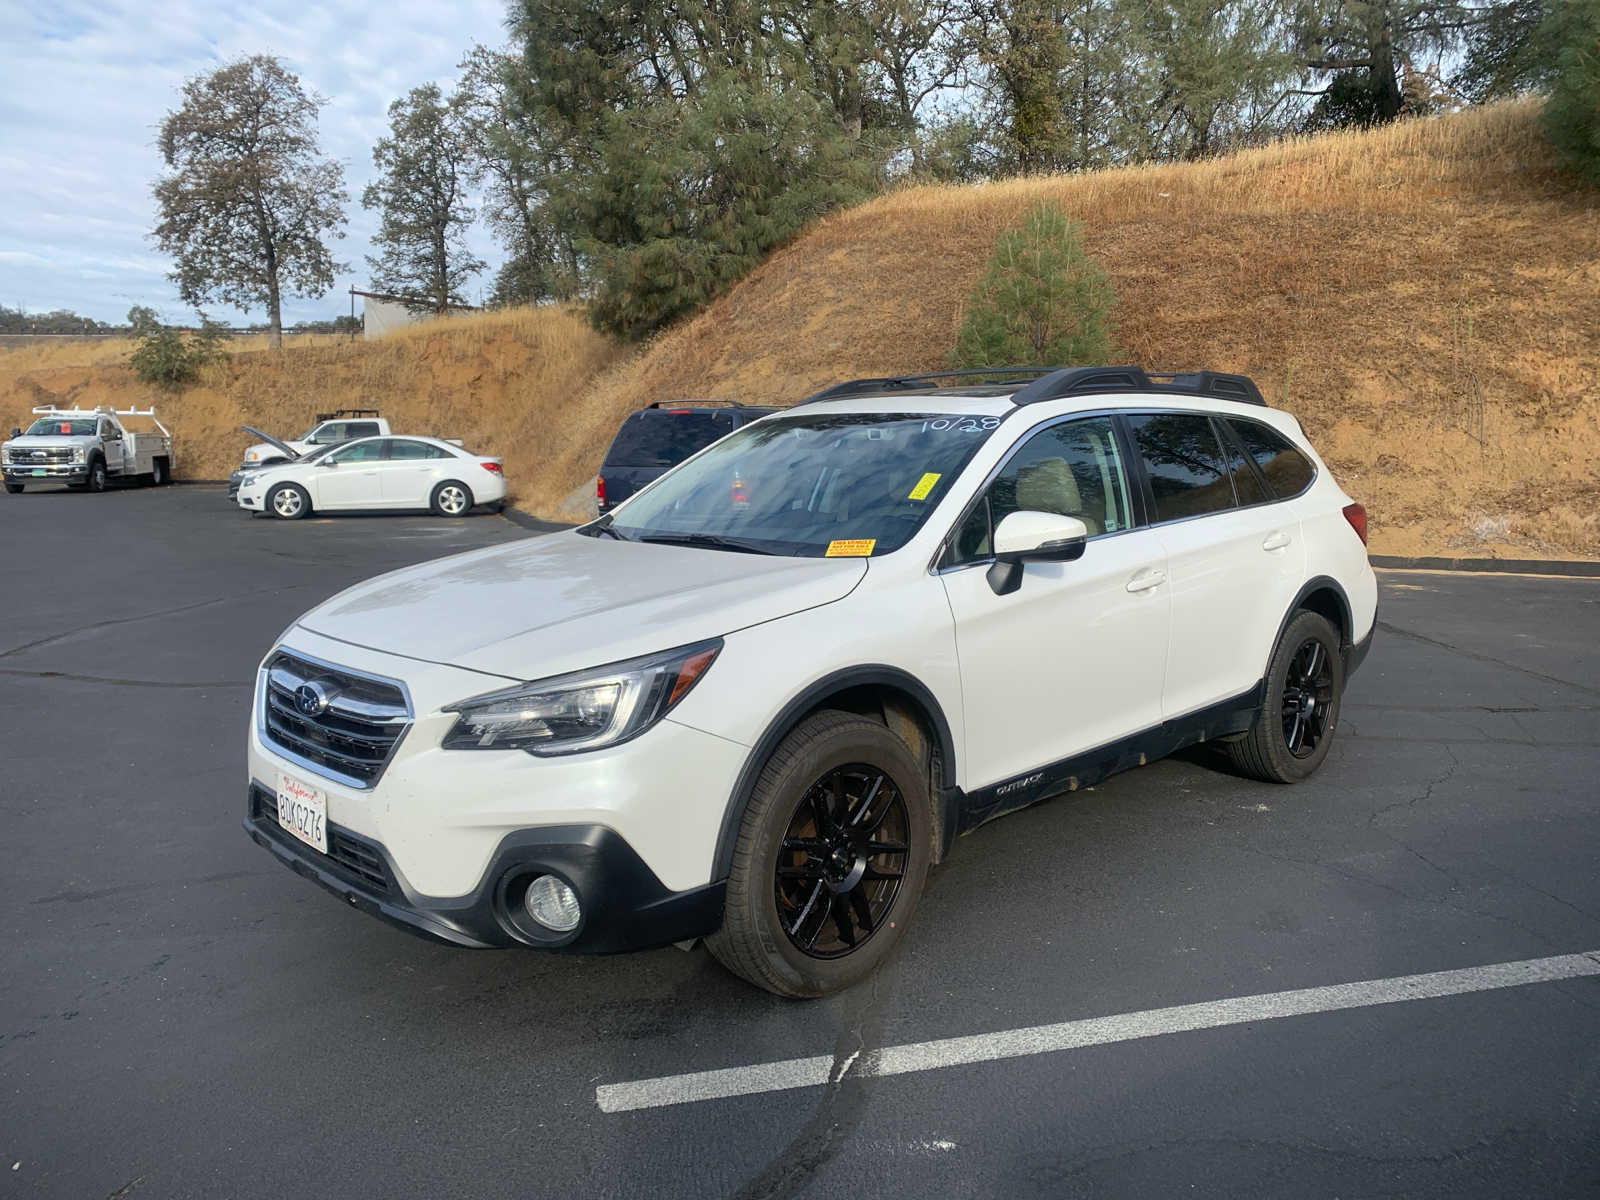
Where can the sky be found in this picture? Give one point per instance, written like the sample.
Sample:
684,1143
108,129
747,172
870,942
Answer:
84,87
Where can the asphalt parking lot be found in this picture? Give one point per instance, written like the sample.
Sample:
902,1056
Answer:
180,1016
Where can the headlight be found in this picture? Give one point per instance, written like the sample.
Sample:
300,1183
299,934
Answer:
582,711
79,454
251,456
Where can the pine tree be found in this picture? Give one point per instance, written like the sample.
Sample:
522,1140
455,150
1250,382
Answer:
1042,300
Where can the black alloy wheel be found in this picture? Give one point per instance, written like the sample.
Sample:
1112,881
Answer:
841,861
1307,698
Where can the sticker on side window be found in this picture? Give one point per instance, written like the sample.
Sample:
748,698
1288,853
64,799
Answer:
924,486
850,547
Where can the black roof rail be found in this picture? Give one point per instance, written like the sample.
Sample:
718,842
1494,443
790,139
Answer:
906,383
346,412
693,404
1219,385
1071,381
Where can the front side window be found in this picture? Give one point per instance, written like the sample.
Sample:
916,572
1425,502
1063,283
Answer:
326,435
1072,469
1287,470
814,486
1184,463
360,452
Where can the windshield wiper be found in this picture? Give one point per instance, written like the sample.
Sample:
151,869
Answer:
603,525
710,541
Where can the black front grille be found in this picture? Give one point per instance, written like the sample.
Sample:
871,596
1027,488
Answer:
356,855
353,728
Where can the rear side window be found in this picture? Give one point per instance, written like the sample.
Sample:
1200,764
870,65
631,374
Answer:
357,429
1288,471
402,448
663,438
1246,484
1184,463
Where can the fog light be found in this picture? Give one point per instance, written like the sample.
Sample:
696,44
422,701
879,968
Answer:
552,904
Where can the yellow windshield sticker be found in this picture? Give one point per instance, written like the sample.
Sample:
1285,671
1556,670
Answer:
924,486
850,547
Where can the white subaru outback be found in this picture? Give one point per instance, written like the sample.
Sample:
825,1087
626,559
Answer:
757,702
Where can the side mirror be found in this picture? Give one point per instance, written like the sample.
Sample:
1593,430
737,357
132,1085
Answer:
1029,536
326,462
16,431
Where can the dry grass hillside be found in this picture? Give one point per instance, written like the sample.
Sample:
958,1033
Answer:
1425,298
503,382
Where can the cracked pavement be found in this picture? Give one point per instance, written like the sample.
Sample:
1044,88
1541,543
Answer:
179,1016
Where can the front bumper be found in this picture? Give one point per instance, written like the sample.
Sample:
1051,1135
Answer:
52,473
625,906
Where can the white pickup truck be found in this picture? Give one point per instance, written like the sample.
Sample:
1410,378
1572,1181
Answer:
343,426
86,448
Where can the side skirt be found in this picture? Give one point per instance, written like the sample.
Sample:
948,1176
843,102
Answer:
1230,716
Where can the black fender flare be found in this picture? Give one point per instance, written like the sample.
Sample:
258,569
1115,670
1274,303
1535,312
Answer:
1319,583
879,674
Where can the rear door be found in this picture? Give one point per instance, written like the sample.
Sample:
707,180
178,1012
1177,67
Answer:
1074,658
1234,567
409,473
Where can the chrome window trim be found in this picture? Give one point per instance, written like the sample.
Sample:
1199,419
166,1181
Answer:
316,768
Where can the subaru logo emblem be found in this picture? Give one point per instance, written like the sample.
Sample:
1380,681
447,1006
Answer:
312,699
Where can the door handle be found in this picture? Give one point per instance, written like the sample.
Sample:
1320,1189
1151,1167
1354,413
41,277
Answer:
1276,540
1147,579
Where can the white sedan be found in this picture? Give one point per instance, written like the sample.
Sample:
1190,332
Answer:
377,473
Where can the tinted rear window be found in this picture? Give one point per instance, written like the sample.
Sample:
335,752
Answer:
662,438
1287,470
1184,463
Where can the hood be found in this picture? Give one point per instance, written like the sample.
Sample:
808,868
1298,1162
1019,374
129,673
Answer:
49,441
270,441
566,602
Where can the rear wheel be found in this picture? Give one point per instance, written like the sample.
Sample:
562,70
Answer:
831,859
289,501
97,476
451,499
1294,727
159,472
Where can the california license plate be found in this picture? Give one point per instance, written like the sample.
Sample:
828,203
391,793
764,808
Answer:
40,471
303,811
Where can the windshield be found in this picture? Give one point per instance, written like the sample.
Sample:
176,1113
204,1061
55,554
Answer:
56,427
850,484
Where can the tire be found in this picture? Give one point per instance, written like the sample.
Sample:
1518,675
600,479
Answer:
14,489
1294,727
289,502
159,472
452,498
785,887
97,475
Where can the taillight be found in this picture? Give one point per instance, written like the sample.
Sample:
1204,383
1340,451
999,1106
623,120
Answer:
1356,514
489,464
600,490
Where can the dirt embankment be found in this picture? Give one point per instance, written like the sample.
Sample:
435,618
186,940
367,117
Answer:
1425,298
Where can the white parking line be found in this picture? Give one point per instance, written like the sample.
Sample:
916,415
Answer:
1095,1031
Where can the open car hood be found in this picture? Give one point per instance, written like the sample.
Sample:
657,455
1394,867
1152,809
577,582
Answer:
269,439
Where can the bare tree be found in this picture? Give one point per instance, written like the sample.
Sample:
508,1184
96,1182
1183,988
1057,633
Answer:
250,199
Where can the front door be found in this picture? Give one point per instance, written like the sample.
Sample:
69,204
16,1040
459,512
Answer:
1074,658
111,446
349,478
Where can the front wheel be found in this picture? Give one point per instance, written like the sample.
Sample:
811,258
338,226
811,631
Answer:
289,501
831,859
14,489
1294,727
97,476
451,499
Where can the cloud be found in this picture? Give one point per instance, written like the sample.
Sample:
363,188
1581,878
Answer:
87,84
